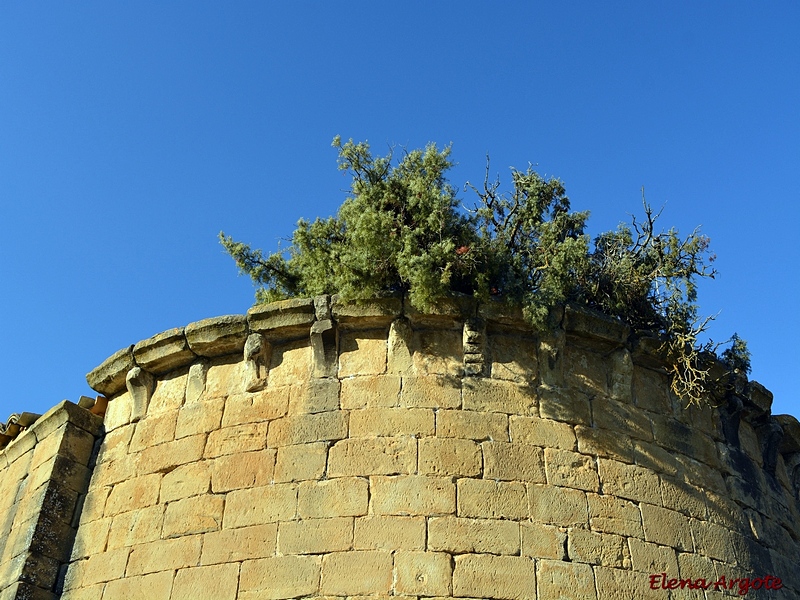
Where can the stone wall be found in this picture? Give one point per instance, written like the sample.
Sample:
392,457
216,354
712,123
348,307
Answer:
316,449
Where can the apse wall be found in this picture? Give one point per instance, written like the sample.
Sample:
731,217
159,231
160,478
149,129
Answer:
321,449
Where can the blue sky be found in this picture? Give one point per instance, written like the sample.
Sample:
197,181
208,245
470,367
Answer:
132,133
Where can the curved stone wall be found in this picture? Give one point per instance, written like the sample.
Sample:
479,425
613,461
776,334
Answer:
319,449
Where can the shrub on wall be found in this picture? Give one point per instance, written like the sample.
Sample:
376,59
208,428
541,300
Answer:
402,229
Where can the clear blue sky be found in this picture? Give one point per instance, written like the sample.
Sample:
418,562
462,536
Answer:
131,133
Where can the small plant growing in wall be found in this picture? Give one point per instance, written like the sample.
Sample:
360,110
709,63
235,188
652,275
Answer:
403,229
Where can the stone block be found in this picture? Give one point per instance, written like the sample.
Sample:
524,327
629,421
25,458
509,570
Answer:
317,396
422,573
412,495
565,581
169,392
153,430
217,336
91,539
571,469
449,456
371,422
94,503
389,533
279,577
135,527
138,492
370,313
399,354
619,584
290,363
236,545
490,576
215,581
683,497
362,353
155,586
652,558
472,425
371,391
512,358
376,456
259,505
629,481
236,439
609,514
657,459
98,568
498,396
713,541
225,377
513,461
543,541
666,527
285,318
651,391
169,455
437,352
432,391
109,377
302,429
605,549
315,536
245,470
118,412
199,417
198,514
621,417
567,406
357,572
679,437
301,462
542,432
481,536
164,555
164,352
585,370
605,443
552,505
255,407
483,498
341,497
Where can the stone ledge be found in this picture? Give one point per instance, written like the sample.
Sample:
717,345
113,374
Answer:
109,377
217,336
283,319
164,352
375,313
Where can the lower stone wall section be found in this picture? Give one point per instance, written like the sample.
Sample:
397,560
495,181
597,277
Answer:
45,474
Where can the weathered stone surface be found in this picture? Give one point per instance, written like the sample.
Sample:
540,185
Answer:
513,461
197,514
433,391
258,505
543,541
610,514
482,498
135,527
384,422
279,577
375,456
315,536
604,549
666,527
605,443
571,469
592,324
568,407
422,573
164,555
362,353
217,581
108,378
490,576
449,456
471,425
371,391
558,506
498,396
565,581
357,572
484,536
373,313
303,429
243,543
541,432
301,462
163,352
217,336
285,319
382,532
629,481
412,495
341,497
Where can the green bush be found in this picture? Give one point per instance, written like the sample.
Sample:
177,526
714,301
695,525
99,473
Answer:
403,229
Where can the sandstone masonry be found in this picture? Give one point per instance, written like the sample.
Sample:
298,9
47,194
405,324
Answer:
320,449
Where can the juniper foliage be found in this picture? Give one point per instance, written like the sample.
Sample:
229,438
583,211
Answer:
402,229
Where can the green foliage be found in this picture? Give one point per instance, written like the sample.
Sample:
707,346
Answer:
402,229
